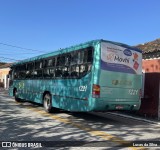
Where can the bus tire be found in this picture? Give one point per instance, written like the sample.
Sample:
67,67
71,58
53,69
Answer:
16,96
47,103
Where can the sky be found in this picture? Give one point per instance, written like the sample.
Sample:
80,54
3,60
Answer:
48,25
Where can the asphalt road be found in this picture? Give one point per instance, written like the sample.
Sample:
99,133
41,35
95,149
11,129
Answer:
25,124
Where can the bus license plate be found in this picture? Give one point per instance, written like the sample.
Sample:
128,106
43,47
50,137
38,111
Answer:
119,107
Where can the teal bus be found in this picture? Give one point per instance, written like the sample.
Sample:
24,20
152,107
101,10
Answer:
98,75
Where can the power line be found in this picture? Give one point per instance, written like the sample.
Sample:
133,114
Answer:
21,47
18,53
15,50
9,58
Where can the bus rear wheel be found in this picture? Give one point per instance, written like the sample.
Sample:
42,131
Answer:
47,103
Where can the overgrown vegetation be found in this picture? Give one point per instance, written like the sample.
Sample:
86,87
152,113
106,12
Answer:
153,46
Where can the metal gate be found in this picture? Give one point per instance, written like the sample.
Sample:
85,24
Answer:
150,105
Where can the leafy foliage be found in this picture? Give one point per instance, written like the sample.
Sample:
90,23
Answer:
153,46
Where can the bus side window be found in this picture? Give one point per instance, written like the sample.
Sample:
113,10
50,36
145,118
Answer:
89,67
74,58
66,66
59,66
60,60
53,62
83,70
52,72
85,61
27,74
49,68
89,54
65,71
29,70
50,63
74,68
85,56
67,59
44,63
58,72
49,73
81,57
38,73
22,70
46,73
75,71
15,74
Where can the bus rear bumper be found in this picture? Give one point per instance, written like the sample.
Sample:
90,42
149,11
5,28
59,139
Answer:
112,105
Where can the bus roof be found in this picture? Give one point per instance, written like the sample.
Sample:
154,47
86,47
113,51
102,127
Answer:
72,48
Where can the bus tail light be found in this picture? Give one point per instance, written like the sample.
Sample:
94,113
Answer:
96,91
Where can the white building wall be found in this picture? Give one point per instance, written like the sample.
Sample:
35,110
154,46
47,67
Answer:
3,77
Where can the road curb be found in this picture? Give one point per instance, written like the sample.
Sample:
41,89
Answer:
135,118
